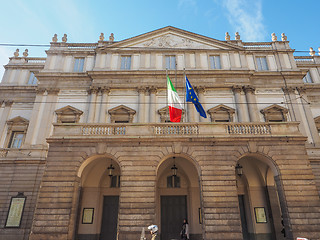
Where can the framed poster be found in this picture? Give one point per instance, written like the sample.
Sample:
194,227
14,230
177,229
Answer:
15,211
87,215
260,214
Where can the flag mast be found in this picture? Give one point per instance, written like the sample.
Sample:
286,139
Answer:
185,92
167,112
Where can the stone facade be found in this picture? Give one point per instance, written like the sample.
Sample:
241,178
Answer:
88,143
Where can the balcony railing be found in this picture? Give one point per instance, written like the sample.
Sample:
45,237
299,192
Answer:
132,130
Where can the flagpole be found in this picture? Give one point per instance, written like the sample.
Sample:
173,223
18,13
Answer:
185,92
167,112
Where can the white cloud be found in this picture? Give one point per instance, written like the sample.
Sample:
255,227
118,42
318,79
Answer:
245,16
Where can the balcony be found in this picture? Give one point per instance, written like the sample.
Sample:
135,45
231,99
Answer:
176,130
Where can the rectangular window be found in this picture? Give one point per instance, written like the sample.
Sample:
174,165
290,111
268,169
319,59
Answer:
125,63
262,63
115,182
32,79
78,64
16,139
307,78
215,62
170,62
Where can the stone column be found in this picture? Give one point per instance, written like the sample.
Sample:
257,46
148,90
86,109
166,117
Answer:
4,116
294,111
46,117
141,105
239,103
201,92
252,103
308,114
97,106
93,92
153,103
104,104
35,117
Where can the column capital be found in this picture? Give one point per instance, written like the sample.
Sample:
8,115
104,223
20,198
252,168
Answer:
40,90
248,89
8,103
93,90
236,88
200,89
53,90
153,90
302,89
106,90
289,89
141,89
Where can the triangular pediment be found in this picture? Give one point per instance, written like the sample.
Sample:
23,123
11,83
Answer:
18,121
172,38
121,110
274,108
317,120
67,110
221,108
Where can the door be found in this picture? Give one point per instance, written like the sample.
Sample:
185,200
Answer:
244,224
109,218
173,211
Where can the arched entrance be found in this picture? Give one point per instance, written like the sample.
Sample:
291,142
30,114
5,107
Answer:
261,204
99,199
178,197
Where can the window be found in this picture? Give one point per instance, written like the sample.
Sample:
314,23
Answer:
215,62
115,182
16,132
78,64
16,139
32,79
262,63
125,62
121,114
275,113
307,78
170,62
221,113
173,182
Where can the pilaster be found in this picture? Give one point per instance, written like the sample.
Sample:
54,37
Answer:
152,104
252,103
141,104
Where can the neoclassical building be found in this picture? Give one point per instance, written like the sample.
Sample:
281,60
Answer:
87,150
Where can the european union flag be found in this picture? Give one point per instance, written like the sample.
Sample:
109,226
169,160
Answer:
192,97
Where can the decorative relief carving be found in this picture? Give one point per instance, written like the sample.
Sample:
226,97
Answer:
170,41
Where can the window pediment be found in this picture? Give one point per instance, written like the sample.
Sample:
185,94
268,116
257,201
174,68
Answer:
221,113
121,114
68,114
275,113
164,114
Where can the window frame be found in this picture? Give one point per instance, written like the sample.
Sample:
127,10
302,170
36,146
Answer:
124,63
14,126
307,78
213,62
32,79
262,66
168,62
78,67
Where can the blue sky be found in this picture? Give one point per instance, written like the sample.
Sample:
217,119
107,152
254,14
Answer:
36,21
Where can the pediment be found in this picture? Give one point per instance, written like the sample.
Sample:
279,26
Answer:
317,119
121,110
171,38
18,121
221,108
67,110
274,108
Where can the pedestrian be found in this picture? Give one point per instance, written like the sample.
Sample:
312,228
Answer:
154,232
185,230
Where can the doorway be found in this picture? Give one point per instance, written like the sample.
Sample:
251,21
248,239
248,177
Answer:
173,211
109,218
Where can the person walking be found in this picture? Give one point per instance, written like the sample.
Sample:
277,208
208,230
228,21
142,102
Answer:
154,232
185,230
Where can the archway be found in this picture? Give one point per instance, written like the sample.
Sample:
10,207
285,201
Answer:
178,197
261,202
99,199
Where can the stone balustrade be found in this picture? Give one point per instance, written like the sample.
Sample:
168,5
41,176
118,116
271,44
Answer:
176,129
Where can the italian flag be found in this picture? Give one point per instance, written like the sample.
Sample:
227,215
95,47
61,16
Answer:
174,102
